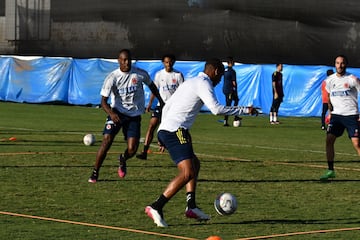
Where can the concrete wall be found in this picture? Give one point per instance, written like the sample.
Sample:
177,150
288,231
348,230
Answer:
253,31
6,47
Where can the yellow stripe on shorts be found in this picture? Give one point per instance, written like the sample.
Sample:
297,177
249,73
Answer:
179,134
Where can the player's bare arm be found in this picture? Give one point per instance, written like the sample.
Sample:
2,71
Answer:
155,91
152,97
106,107
330,106
275,92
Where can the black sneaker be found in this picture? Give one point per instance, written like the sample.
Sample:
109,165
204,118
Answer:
142,156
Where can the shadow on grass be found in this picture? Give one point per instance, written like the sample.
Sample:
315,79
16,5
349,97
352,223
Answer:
278,180
286,221
298,221
284,162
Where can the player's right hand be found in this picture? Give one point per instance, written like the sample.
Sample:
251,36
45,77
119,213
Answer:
161,147
115,117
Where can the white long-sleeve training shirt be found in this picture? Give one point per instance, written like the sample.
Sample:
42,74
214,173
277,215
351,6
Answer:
181,109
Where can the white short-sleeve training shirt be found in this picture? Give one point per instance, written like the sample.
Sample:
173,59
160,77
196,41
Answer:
167,82
343,94
125,90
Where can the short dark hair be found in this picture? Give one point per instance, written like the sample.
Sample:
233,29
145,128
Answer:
342,56
216,63
229,59
125,50
169,55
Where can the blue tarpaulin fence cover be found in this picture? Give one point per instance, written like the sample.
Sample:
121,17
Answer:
78,82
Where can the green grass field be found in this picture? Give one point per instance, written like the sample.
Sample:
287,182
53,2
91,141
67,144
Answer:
273,170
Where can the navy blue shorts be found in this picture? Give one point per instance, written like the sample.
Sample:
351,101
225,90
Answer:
130,126
339,123
177,143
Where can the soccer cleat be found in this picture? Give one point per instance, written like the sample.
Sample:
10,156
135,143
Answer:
93,178
328,174
156,216
122,167
272,122
142,155
197,214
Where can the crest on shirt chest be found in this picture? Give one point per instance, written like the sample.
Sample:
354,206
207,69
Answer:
134,81
128,87
345,85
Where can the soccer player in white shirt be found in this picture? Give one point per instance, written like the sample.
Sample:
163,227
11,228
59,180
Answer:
167,80
178,115
124,88
343,104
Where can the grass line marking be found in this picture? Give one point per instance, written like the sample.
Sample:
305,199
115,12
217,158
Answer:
301,233
278,163
272,148
95,225
199,154
313,166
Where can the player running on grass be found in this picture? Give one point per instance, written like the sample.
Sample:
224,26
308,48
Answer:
343,104
178,116
167,80
124,87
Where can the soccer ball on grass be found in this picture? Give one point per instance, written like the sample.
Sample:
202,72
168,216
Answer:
225,204
237,123
89,139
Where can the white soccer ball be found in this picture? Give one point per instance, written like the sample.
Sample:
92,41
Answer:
89,139
237,123
225,204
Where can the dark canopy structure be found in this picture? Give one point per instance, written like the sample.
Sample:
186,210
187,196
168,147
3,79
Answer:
253,31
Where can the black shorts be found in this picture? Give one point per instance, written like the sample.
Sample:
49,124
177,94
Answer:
156,113
276,104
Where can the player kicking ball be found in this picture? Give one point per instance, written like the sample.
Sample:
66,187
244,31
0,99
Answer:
178,116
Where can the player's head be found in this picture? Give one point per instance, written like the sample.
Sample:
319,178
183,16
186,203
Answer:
329,72
340,64
124,60
168,60
279,67
230,61
214,69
